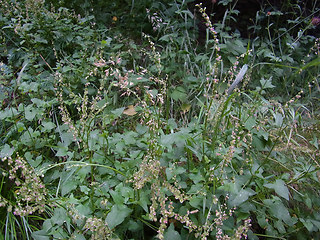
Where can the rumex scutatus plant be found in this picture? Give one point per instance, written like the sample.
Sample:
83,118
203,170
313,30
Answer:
118,145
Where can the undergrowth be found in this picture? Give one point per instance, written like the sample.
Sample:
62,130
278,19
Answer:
104,136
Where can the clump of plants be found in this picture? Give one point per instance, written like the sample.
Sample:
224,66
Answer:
104,137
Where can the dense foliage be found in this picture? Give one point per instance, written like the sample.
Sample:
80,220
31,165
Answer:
121,120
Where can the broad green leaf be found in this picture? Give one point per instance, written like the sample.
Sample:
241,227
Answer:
117,215
141,129
179,94
280,188
266,83
84,209
172,123
6,151
196,201
39,39
40,235
106,42
250,123
48,126
242,196
127,193
196,178
47,225
29,87
39,102
315,142
31,161
169,173
278,210
59,216
66,69
84,189
66,138
278,119
144,200
62,151
263,134
279,225
307,223
78,236
171,234
258,143
117,197
117,112
316,223
262,220
30,113
130,137
134,226
8,113
68,187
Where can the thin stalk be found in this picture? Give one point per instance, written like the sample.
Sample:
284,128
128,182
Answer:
79,164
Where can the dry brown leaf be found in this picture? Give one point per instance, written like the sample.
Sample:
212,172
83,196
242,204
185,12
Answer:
130,111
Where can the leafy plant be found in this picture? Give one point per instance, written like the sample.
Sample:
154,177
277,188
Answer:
104,136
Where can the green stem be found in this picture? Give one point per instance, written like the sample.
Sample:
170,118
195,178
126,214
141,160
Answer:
79,164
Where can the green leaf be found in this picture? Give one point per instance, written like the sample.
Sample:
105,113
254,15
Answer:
144,200
84,189
280,188
9,112
66,138
84,209
172,123
134,226
263,134
6,151
171,234
68,187
59,216
250,123
242,196
106,42
66,69
78,236
278,119
62,151
30,113
48,126
316,223
117,215
258,143
117,197
315,142
278,210
40,235
196,178
33,163
307,223
279,225
141,129
117,112
196,201
169,173
262,220
266,83
179,94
